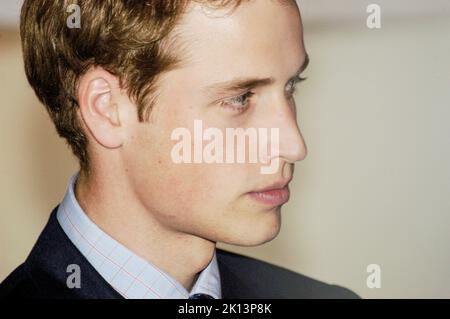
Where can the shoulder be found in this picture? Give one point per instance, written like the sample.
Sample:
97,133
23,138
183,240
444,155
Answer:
246,277
44,274
18,285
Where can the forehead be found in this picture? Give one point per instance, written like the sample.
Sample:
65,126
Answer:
256,35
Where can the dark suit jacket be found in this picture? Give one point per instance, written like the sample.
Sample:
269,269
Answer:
43,275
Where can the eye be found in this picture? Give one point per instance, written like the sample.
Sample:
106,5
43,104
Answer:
292,85
238,103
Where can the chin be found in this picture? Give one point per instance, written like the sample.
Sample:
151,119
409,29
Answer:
257,231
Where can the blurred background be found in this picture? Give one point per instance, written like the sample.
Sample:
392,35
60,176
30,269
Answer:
375,187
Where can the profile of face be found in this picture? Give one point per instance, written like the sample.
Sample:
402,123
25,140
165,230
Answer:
215,201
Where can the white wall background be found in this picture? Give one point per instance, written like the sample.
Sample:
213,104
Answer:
376,183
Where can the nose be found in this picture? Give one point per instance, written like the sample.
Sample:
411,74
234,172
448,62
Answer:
292,147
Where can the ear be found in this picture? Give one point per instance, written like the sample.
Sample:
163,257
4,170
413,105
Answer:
99,106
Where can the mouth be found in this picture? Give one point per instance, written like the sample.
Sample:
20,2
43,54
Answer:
275,195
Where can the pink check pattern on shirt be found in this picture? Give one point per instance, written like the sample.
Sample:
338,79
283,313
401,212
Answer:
129,274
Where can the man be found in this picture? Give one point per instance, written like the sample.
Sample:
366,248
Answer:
136,222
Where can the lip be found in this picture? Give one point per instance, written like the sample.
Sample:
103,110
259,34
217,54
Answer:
276,185
274,195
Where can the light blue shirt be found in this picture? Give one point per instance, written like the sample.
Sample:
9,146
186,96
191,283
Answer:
129,274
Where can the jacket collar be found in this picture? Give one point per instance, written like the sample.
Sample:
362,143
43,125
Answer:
54,252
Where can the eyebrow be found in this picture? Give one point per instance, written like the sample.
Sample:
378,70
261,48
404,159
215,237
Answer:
241,84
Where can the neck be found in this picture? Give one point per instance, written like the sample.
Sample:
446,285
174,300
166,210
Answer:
112,207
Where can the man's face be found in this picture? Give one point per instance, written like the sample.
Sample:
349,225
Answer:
260,39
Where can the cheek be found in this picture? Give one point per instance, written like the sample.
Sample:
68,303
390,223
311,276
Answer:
201,188
170,188
192,184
